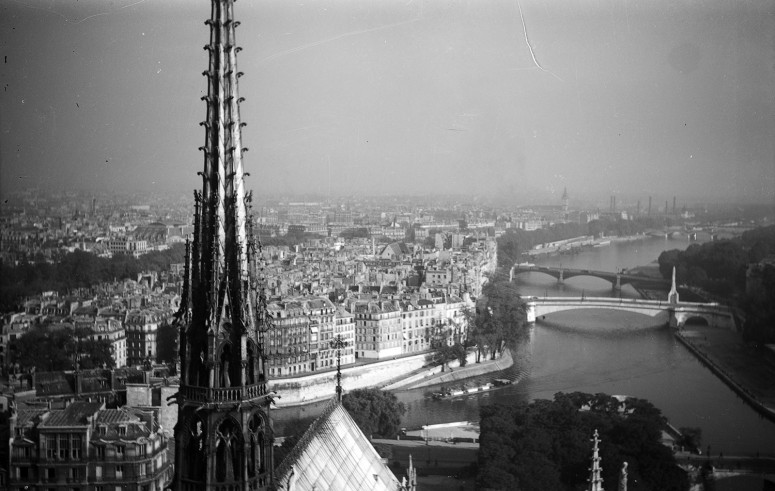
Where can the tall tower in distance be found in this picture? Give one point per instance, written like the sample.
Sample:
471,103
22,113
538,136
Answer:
223,438
565,201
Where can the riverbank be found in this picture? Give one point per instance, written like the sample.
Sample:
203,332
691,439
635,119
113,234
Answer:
746,370
454,373
576,247
400,373
319,386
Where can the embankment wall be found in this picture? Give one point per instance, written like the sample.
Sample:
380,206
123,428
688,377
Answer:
319,386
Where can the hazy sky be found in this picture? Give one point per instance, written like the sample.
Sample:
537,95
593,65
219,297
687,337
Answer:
639,98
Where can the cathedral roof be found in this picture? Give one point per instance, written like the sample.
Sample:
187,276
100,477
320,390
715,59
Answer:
334,454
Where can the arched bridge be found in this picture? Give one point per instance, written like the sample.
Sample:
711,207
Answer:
616,279
676,314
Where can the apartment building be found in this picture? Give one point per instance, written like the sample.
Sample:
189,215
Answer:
417,324
142,327
113,331
289,339
377,329
87,447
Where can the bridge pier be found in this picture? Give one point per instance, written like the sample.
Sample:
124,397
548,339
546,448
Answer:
530,312
561,280
617,287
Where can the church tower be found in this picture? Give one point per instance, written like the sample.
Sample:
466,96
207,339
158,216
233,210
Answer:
223,438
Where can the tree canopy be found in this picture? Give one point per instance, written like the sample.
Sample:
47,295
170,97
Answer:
546,444
720,267
499,319
78,269
376,412
49,350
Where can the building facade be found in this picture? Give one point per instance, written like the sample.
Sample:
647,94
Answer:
377,329
89,448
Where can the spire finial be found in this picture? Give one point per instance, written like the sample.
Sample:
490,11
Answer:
338,344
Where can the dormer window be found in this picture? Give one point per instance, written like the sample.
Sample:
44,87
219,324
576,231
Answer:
122,430
103,430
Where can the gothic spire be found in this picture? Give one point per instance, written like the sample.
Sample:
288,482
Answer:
223,437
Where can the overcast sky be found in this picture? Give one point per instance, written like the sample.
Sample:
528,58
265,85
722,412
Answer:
634,98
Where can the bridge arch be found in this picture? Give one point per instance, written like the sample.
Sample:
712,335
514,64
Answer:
549,273
697,320
676,314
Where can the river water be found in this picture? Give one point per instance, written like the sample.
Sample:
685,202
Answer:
605,351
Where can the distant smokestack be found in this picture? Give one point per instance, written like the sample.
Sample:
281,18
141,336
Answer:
673,205
614,197
667,210
649,205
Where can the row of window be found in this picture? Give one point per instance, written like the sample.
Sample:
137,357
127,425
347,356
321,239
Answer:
74,474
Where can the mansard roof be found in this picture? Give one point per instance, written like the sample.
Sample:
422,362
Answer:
76,414
334,454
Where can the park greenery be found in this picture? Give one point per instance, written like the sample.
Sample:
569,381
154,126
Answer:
78,269
720,268
53,349
546,444
498,321
377,413
516,242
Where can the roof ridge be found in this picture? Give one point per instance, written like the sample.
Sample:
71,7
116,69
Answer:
301,445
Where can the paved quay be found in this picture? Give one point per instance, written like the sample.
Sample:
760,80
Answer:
751,370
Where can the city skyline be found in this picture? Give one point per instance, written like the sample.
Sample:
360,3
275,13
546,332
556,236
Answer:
503,99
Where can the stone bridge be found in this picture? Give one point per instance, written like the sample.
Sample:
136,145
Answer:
616,279
673,313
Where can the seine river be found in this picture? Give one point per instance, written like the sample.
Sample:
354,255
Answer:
599,351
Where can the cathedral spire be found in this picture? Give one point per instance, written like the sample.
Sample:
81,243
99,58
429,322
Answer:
223,436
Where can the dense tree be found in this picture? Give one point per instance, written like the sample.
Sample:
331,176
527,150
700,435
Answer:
515,242
78,269
720,267
499,319
446,353
354,233
47,349
376,412
691,438
545,445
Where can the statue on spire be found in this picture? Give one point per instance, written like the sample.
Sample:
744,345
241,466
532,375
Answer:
623,477
595,480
